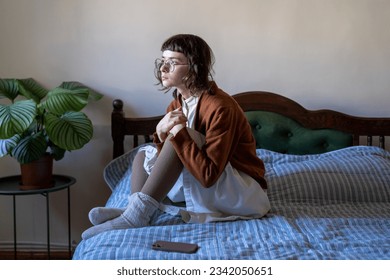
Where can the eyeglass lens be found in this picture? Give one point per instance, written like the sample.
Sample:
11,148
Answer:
161,63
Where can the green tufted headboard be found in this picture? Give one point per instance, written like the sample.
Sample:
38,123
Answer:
281,134
278,123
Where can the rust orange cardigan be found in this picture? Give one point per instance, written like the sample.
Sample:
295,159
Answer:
228,139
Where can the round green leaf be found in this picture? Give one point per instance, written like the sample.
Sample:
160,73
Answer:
60,100
30,148
71,131
16,118
32,89
6,145
9,88
93,95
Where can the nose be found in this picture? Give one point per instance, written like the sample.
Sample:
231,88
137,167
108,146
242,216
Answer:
164,68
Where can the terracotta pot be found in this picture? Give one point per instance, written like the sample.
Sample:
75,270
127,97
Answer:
37,174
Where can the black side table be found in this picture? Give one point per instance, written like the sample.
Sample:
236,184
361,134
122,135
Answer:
10,186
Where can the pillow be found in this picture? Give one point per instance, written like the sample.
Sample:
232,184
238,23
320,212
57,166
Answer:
355,174
359,173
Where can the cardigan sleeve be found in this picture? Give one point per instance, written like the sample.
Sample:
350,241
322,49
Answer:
206,164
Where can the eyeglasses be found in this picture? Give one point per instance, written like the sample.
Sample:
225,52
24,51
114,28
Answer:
166,63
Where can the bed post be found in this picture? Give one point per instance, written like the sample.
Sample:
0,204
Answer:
382,142
117,127
355,139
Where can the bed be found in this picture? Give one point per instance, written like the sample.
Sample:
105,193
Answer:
328,179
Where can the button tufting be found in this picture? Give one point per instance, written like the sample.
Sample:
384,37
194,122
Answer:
325,145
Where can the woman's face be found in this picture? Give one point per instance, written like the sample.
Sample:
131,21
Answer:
179,64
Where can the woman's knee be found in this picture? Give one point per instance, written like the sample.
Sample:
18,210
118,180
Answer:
140,156
198,138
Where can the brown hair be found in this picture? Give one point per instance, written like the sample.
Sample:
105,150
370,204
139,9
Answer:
200,59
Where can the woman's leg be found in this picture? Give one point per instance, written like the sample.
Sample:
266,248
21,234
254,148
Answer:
165,173
100,215
138,173
143,203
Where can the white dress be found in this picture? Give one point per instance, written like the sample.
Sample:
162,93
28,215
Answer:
235,195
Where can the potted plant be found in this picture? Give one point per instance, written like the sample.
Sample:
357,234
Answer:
39,124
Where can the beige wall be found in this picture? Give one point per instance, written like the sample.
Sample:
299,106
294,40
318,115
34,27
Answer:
324,54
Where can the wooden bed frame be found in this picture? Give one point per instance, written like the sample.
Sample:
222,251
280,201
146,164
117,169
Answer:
376,130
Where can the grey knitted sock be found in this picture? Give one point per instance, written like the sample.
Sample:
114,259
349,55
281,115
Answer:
99,215
137,214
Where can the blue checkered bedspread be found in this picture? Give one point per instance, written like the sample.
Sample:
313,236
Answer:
327,206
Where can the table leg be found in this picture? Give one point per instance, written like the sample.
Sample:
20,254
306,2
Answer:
14,210
48,225
69,227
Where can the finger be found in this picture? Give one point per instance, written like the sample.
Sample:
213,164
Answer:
178,114
178,110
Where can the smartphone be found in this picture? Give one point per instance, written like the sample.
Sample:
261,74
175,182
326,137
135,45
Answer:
180,247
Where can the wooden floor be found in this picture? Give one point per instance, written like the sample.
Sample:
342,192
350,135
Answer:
35,255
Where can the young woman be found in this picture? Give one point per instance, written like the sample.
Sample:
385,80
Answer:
204,153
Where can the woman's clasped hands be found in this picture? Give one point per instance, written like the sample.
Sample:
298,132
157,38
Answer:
171,123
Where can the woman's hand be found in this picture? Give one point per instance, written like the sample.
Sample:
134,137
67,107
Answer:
175,118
